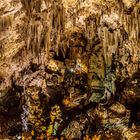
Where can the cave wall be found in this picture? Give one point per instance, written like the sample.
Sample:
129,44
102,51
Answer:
70,64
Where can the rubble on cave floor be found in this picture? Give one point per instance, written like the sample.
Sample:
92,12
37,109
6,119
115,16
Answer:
63,110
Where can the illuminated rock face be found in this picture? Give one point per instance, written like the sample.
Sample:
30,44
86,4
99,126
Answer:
78,56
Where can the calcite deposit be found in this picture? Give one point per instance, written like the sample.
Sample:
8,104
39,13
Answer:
69,69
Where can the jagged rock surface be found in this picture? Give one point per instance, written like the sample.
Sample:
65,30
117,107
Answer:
69,68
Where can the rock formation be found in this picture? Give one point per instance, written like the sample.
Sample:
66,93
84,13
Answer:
69,69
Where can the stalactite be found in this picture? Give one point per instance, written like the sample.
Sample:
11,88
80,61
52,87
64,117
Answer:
63,49
116,40
26,5
33,41
105,40
5,22
48,40
137,23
